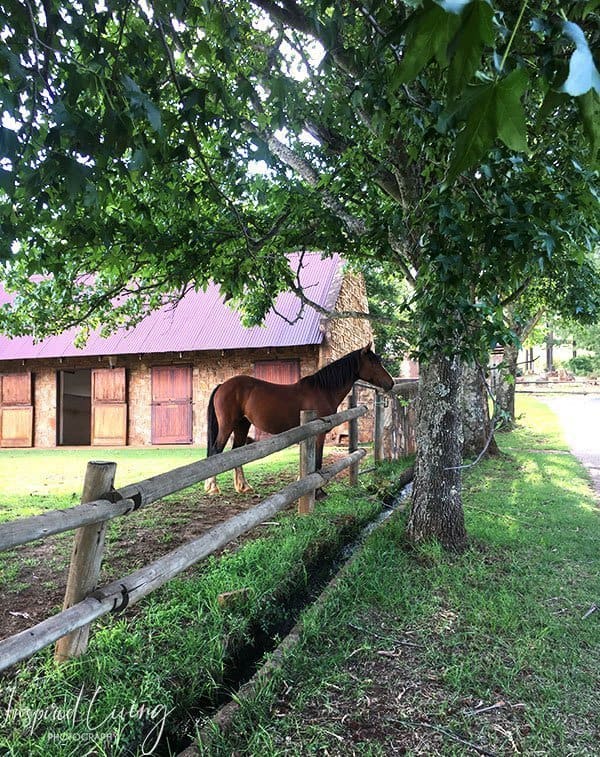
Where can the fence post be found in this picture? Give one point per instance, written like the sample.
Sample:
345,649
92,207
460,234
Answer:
379,421
86,557
308,463
353,439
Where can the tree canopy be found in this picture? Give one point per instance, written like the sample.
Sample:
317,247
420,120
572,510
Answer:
159,145
151,146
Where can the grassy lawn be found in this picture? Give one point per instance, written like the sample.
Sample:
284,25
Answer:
169,654
422,653
414,651
35,480
33,576
171,651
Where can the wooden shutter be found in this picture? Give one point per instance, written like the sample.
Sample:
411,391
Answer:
16,410
277,372
172,404
109,407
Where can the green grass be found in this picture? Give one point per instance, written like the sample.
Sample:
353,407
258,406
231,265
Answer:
171,653
501,624
540,429
33,481
400,655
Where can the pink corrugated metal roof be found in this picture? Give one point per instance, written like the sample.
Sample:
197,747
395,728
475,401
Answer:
201,321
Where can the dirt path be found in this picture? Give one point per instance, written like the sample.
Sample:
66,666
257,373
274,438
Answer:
579,416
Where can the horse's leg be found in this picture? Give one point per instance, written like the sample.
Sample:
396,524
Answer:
319,493
210,485
240,436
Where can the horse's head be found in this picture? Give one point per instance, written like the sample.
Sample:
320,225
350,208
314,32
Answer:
371,369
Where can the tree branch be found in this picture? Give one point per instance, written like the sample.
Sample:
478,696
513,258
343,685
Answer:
291,15
356,226
517,293
201,157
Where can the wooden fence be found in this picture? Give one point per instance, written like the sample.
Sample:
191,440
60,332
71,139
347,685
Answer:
101,502
394,417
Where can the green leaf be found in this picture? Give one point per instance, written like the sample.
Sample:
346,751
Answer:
153,115
195,99
60,114
9,145
74,173
140,101
139,159
475,140
17,73
7,181
552,101
510,116
475,31
492,111
589,108
428,35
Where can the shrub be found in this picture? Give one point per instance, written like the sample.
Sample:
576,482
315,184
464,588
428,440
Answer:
583,364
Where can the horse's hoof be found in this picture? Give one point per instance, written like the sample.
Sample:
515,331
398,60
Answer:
214,489
244,489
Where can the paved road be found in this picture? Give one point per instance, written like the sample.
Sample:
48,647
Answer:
580,418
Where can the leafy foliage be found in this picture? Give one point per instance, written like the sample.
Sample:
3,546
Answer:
157,146
585,365
393,323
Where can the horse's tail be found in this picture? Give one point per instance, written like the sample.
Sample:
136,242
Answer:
212,425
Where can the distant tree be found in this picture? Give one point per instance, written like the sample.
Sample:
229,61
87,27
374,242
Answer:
570,293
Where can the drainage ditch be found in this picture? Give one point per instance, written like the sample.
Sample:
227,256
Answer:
244,663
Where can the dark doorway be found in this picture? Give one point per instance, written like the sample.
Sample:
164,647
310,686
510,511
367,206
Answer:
74,408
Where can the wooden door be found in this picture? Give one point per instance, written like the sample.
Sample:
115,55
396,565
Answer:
172,404
277,372
109,407
16,410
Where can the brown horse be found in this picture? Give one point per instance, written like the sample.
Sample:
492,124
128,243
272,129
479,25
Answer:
273,408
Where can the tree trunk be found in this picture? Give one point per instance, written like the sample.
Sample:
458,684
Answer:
478,436
437,505
505,387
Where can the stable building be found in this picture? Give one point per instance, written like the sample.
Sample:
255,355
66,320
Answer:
150,384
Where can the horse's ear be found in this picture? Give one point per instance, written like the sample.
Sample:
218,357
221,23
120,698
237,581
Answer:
367,348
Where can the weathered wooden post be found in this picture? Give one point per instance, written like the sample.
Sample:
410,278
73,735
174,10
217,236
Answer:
378,454
86,557
353,439
308,463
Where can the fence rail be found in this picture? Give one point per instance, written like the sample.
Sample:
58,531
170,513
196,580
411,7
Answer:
143,493
83,604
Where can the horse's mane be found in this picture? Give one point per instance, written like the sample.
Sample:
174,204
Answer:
337,373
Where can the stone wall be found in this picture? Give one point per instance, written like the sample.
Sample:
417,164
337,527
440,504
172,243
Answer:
208,370
342,335
44,408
